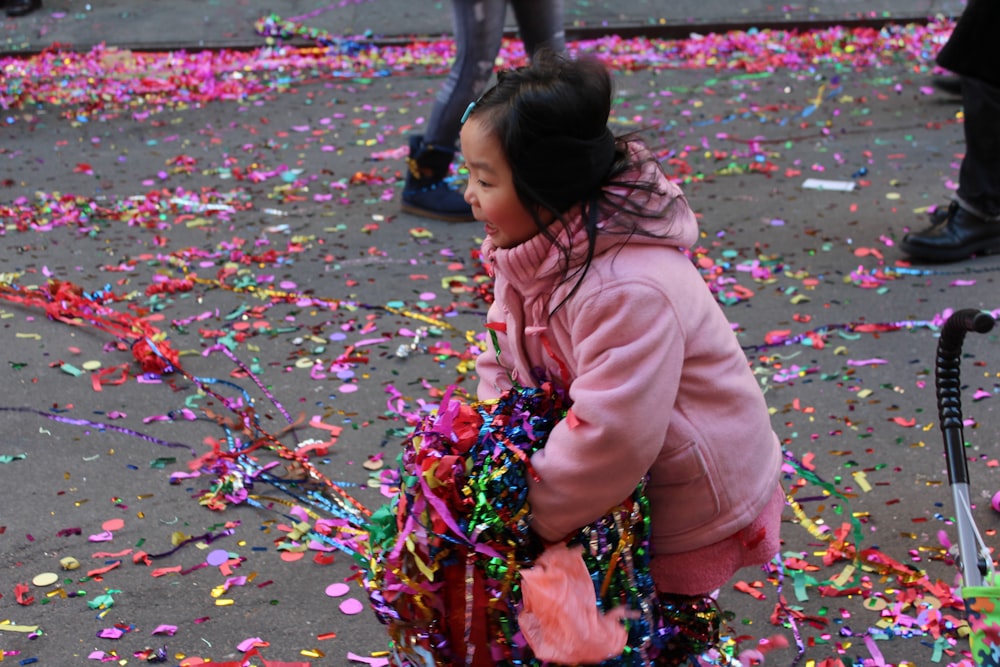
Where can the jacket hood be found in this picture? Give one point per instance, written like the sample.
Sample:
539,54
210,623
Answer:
537,259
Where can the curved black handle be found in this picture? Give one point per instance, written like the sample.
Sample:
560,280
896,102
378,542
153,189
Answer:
949,390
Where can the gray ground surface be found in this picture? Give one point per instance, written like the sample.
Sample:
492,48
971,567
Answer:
117,187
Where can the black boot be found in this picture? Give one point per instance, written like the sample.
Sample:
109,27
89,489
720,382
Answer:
17,8
956,235
426,194
940,214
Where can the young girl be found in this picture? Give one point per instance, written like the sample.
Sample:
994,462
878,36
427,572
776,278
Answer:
593,293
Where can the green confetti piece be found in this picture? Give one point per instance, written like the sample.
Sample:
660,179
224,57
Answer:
70,369
799,583
103,601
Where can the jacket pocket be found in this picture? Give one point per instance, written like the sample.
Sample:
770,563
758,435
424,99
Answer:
682,493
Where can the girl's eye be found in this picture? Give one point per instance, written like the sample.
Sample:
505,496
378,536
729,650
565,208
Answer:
482,183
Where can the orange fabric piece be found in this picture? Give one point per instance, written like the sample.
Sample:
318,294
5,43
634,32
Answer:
103,570
560,619
161,571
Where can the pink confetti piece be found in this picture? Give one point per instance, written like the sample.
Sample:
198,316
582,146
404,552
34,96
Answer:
944,539
874,650
337,590
866,362
315,545
168,630
374,662
113,524
372,341
962,283
249,643
351,606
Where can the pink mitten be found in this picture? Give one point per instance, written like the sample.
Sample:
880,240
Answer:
560,619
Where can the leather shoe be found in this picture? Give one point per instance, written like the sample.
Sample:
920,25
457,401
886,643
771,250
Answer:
17,8
958,235
940,214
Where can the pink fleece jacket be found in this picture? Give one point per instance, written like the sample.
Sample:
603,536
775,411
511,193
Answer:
658,384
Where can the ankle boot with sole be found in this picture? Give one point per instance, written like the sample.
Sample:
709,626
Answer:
426,193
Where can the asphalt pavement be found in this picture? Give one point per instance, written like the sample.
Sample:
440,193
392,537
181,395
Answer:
187,24
168,175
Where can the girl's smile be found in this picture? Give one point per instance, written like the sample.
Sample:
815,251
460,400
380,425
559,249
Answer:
491,191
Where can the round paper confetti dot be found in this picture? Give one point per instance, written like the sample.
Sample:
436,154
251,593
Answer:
875,604
351,606
217,557
996,501
45,579
337,590
291,556
113,524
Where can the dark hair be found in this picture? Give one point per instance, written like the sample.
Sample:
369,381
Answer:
551,119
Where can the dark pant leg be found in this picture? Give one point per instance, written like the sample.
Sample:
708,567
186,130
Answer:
979,175
540,24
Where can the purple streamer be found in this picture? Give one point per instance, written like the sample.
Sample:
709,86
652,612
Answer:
101,425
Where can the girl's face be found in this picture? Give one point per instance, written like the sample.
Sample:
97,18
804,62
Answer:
491,190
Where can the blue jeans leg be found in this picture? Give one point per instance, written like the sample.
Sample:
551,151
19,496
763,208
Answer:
478,26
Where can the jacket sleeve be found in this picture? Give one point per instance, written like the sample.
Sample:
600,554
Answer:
628,350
